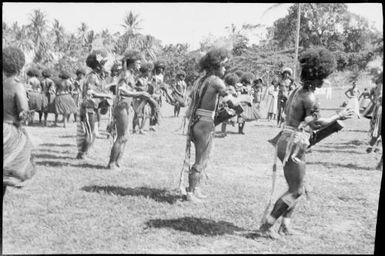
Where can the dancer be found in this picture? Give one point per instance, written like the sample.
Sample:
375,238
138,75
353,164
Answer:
125,92
35,99
201,128
18,164
63,102
246,81
48,90
230,80
139,105
92,95
77,88
179,92
317,64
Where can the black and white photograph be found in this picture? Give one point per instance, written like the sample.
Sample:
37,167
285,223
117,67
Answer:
192,128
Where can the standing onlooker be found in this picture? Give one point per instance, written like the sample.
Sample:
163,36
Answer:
353,93
272,99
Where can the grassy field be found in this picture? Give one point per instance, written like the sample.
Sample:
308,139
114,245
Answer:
77,206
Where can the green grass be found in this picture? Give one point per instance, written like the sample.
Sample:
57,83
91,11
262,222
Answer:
74,206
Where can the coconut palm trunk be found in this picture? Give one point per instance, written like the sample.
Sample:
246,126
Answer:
297,41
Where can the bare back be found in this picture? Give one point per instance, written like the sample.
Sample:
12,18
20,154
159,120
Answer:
301,103
215,87
14,99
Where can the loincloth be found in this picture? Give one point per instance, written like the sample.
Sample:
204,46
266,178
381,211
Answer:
290,139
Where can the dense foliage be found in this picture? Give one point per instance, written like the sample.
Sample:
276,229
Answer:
352,40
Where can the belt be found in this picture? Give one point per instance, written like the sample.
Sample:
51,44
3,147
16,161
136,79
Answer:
301,133
205,113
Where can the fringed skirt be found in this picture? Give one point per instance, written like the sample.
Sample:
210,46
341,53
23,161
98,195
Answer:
251,113
36,101
18,164
64,104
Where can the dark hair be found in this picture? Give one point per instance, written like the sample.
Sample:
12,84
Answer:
46,73
64,74
181,73
146,67
213,59
91,60
257,80
13,60
80,71
316,63
130,56
247,77
115,67
159,64
275,79
33,72
231,79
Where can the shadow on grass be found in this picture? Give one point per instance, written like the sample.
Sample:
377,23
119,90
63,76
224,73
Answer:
196,226
45,150
57,145
49,156
336,151
364,131
159,195
336,165
61,164
67,136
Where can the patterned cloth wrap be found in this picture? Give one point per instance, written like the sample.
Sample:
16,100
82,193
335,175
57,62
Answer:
294,139
18,164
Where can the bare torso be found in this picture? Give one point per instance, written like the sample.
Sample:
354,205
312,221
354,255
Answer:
14,99
301,103
215,87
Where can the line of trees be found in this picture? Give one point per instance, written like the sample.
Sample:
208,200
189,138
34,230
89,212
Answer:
350,36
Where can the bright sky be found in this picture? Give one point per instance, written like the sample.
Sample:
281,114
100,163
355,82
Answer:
169,22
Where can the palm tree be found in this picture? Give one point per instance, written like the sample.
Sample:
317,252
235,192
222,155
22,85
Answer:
82,32
58,31
21,39
131,23
297,40
149,45
131,26
37,29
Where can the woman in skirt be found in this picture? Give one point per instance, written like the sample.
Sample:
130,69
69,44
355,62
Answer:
272,99
48,91
77,88
64,104
35,99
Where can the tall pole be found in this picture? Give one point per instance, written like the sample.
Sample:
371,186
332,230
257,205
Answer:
297,41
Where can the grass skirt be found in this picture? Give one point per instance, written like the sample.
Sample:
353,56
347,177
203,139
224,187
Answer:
18,165
36,101
251,113
64,104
